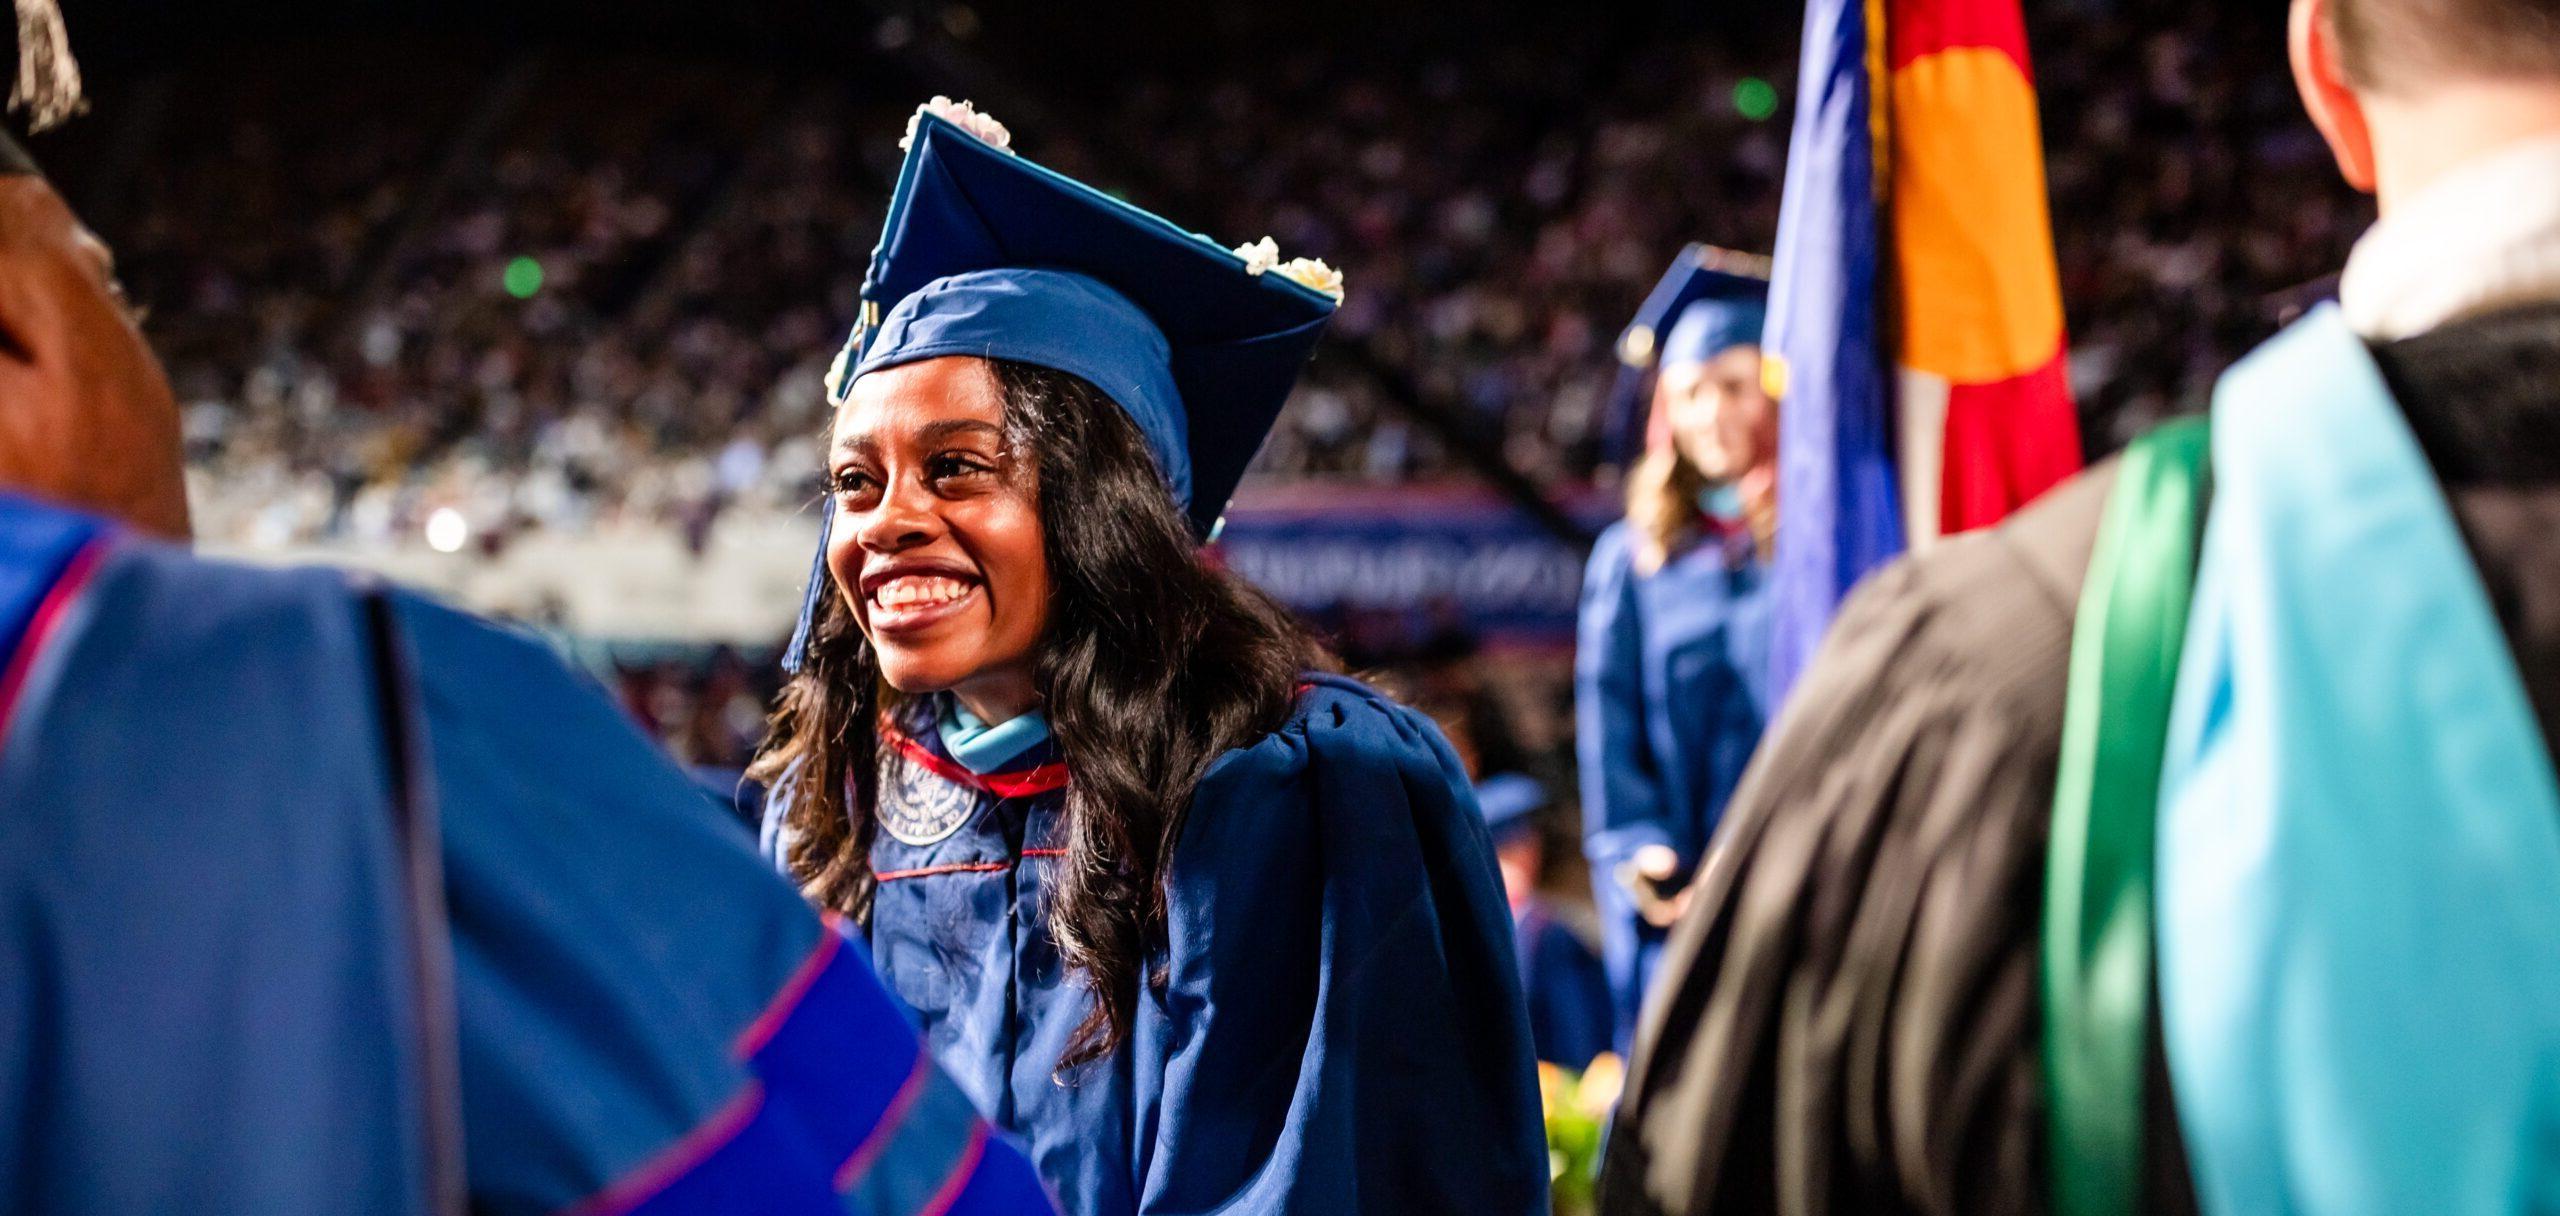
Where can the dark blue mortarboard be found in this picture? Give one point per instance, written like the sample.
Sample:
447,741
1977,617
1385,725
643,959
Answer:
1510,802
987,254
1056,319
1708,301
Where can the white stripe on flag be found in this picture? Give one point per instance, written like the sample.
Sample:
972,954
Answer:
1922,400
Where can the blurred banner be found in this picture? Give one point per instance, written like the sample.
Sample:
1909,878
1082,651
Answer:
1916,317
1410,561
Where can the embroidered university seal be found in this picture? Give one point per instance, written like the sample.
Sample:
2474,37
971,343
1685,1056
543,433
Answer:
917,805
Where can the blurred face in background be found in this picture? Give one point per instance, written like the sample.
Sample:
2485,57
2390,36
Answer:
86,418
1521,858
1721,420
937,545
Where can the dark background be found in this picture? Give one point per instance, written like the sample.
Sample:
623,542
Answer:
318,204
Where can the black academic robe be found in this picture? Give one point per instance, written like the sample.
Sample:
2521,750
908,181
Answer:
1848,1017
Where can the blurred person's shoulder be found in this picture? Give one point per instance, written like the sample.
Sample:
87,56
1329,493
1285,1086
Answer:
2476,395
1987,613
1335,721
92,577
1613,555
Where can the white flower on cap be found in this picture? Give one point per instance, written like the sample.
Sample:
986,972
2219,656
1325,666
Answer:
834,379
1259,256
48,81
965,116
1312,272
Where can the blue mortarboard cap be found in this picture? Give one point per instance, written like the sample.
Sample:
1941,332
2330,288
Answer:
1056,319
988,254
1234,341
1510,802
1709,300
1710,326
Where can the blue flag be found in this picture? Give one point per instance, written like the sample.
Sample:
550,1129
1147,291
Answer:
1839,512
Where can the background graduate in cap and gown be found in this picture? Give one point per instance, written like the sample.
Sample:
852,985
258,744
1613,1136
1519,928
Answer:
1671,656
1570,1013
2190,840
317,897
1209,929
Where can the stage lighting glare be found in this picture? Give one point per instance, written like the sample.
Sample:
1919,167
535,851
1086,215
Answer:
523,278
447,530
1755,99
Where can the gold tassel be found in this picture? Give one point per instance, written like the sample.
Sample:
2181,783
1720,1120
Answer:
48,86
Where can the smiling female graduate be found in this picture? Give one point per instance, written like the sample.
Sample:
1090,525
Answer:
1209,930
1672,642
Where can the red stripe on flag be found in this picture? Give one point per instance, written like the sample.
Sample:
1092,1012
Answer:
1914,28
2006,442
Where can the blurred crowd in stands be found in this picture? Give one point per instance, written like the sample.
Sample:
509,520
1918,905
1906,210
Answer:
708,707
596,314
573,290
2194,209
556,293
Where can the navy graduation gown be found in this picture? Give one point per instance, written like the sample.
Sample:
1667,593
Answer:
1570,1011
305,886
1341,1030
1670,694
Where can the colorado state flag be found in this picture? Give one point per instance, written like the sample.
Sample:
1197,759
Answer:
1915,317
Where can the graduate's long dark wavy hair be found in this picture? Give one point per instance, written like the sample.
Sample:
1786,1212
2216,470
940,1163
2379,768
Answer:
1154,661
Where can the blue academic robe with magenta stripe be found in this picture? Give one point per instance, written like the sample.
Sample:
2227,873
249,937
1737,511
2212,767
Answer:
1340,1028
316,897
